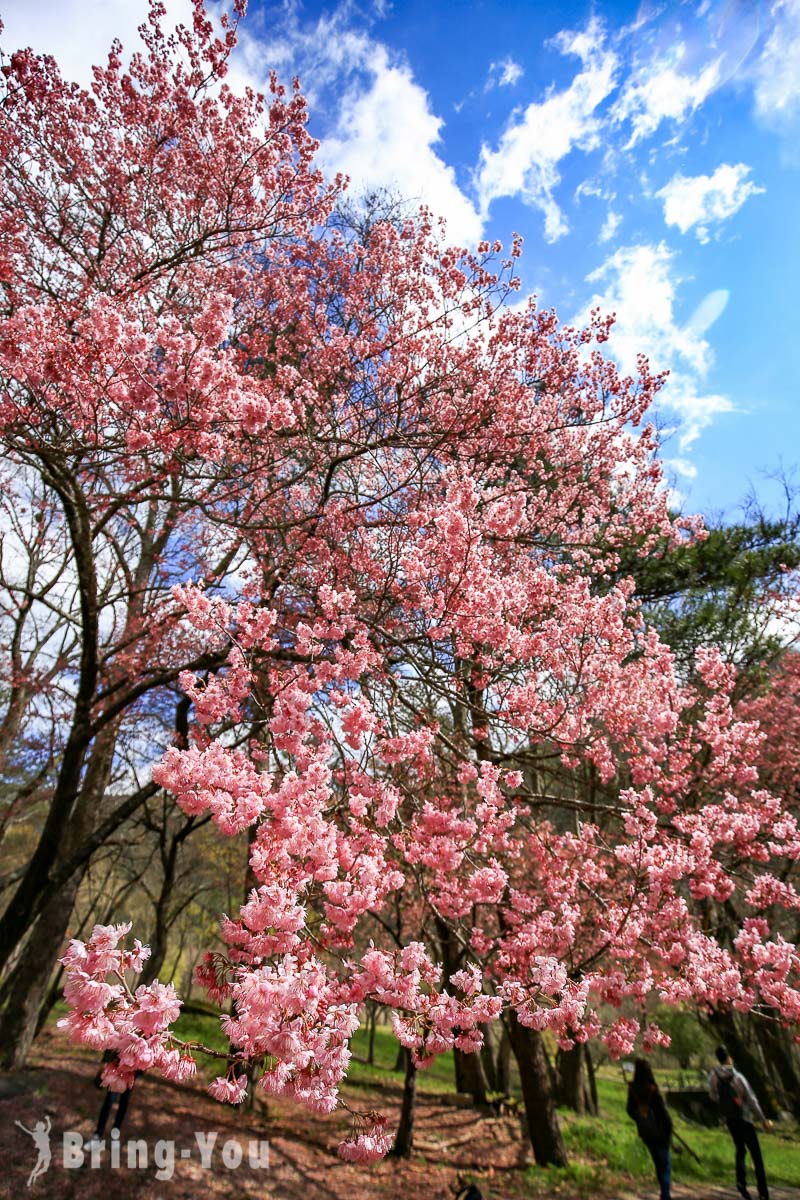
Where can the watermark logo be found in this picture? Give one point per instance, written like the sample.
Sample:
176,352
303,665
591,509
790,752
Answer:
137,1154
41,1140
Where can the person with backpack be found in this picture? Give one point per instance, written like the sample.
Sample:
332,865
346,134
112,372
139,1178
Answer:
739,1107
647,1109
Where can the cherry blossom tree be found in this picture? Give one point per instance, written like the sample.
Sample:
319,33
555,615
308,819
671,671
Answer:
776,707
361,526
135,219
737,590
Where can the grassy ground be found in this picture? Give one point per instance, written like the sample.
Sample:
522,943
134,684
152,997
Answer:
608,1145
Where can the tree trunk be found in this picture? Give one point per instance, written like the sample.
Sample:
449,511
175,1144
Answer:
504,1063
372,1014
67,848
781,1055
569,1079
27,986
50,1001
489,1059
16,920
469,1075
57,981
158,946
572,1085
595,1109
404,1137
540,1111
160,936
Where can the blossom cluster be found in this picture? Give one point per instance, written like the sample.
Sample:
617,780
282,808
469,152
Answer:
106,1014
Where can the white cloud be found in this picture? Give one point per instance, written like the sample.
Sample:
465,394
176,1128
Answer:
660,91
378,124
709,310
525,162
639,284
777,71
512,73
79,33
682,467
610,226
700,200
328,56
505,73
590,187
376,149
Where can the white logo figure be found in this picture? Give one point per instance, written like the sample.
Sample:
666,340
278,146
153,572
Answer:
41,1140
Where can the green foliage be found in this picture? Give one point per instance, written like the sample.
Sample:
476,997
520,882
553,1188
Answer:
712,592
690,1041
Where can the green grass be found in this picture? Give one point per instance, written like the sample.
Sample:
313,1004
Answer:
205,1029
432,1080
605,1151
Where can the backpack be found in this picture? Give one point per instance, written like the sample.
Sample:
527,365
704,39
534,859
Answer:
647,1124
730,1104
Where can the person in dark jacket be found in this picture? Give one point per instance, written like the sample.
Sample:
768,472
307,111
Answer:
647,1108
740,1108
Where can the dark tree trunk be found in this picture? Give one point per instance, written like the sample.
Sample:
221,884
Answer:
372,1014
70,836
160,936
504,1063
572,1083
50,1001
595,1109
16,920
400,1061
404,1137
27,987
489,1059
540,1110
569,1079
57,982
469,1075
158,952
781,1055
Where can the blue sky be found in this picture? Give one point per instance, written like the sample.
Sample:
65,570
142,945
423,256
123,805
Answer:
648,154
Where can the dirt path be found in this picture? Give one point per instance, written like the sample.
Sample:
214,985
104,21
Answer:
301,1146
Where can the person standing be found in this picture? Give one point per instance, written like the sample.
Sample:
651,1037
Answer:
121,1099
654,1124
737,1102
